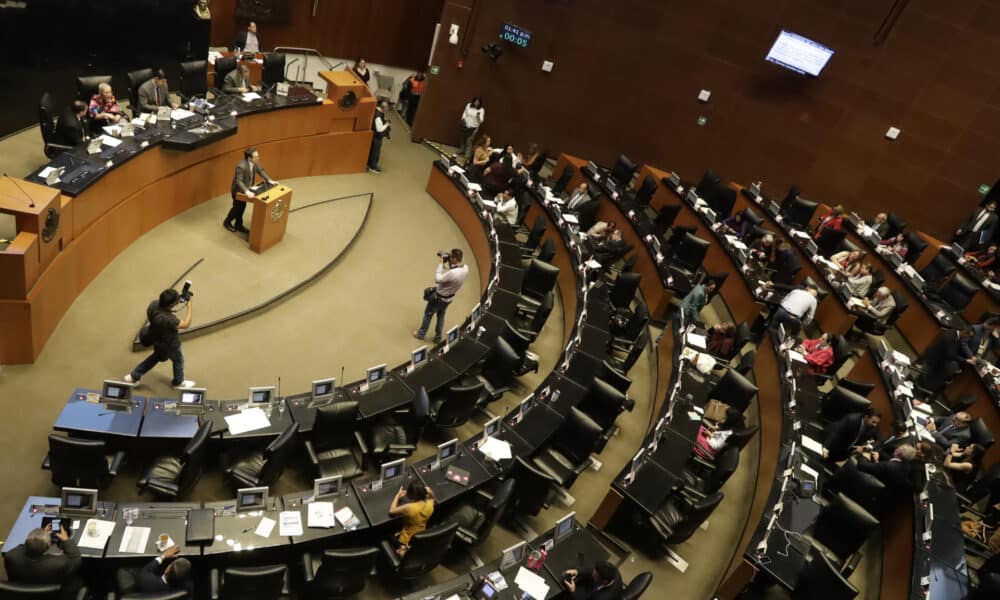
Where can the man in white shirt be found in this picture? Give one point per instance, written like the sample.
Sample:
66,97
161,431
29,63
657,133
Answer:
796,310
506,207
248,40
382,129
448,278
579,197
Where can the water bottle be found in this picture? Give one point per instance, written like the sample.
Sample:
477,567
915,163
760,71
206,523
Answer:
128,516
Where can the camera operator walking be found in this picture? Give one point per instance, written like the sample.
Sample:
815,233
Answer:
448,278
164,335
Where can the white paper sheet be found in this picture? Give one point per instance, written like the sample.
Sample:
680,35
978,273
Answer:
899,358
475,187
179,114
250,96
809,471
247,420
531,583
134,540
795,355
923,407
104,529
290,523
495,449
810,444
345,516
455,169
46,172
321,515
265,527
697,340
571,218
107,140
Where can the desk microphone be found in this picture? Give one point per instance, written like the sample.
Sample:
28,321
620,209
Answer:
342,382
31,202
279,388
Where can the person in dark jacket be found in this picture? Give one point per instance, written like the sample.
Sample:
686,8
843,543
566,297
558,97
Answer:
850,434
604,582
951,430
985,338
71,128
944,356
31,562
902,473
786,263
164,329
166,573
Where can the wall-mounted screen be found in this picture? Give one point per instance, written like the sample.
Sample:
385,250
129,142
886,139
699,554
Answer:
798,53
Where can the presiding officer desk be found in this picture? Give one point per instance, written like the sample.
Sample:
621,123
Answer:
106,201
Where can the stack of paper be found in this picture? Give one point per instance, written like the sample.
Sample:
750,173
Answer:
321,515
495,449
290,523
265,527
531,583
134,540
107,140
810,444
250,96
696,340
345,516
247,420
96,533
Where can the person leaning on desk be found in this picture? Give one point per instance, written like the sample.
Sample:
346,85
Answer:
156,578
604,582
237,81
416,511
31,562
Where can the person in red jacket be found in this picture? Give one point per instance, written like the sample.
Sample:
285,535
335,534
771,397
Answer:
818,353
833,220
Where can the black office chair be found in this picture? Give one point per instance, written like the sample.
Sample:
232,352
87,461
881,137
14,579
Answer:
677,519
735,390
396,435
623,292
224,65
867,490
47,118
530,245
603,403
989,587
569,452
337,574
703,478
822,580
86,87
194,79
10,590
981,433
625,363
640,198
745,365
500,370
665,218
841,401
519,342
707,183
263,467
612,376
559,186
171,595
77,462
337,446
799,212
959,290
174,476
477,516
623,171
539,279
249,583
633,332
689,252
741,437
427,549
637,587
842,528
457,405
273,71
547,251
532,326
862,388
135,79
533,490
828,241
896,225
940,267
915,246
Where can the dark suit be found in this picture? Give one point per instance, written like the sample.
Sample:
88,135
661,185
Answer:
70,129
786,264
585,588
845,433
150,580
244,177
972,239
882,229
942,359
946,433
234,81
898,475
241,41
149,101
980,333
47,568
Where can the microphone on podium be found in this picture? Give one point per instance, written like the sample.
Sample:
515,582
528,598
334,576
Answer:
31,202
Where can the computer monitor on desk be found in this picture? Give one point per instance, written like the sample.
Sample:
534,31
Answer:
524,407
563,528
322,390
116,395
452,336
417,358
326,487
513,555
251,499
78,502
389,472
374,376
191,400
261,395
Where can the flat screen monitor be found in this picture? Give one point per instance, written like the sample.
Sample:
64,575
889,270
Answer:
261,395
452,335
525,406
956,251
249,499
513,556
375,374
447,450
117,392
326,487
492,427
799,54
323,388
811,247
477,312
78,502
192,397
564,527
418,356
391,470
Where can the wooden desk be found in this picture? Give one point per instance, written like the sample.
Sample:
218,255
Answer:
270,216
255,68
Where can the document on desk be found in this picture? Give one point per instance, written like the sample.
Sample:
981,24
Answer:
899,358
250,96
812,445
107,140
134,540
796,356
96,533
853,302
534,585
44,173
179,114
495,449
455,169
475,187
321,515
345,516
265,527
697,340
291,523
251,419
571,218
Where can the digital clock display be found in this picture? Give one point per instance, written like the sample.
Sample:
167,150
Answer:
515,35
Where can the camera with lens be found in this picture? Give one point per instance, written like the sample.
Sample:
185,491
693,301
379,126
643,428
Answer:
444,254
186,292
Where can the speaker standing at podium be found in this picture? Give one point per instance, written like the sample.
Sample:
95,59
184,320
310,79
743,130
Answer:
246,172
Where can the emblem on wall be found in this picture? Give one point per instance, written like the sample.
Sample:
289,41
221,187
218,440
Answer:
51,225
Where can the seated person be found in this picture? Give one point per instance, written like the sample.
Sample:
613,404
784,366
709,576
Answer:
416,511
600,231
31,562
695,300
104,109
849,262
176,575
721,338
896,245
860,283
154,93
833,220
506,207
579,197
237,81
877,308
71,128
611,249
963,464
850,435
737,224
951,430
604,582
901,474
762,249
710,439
818,353
497,176
985,338
983,259
900,435
786,263
880,225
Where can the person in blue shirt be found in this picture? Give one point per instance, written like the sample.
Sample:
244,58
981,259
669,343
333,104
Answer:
696,299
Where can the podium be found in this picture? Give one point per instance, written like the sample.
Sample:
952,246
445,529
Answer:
270,216
39,238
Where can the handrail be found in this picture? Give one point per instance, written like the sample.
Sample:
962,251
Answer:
311,51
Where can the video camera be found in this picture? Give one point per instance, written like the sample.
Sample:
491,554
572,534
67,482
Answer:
444,254
186,292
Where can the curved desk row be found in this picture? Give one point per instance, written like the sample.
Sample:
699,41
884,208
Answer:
42,273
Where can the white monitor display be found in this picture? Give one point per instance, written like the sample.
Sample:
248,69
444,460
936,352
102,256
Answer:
375,374
322,388
564,527
513,555
326,487
391,470
248,499
799,54
492,426
452,336
418,356
261,395
477,311
78,501
116,391
447,450
192,397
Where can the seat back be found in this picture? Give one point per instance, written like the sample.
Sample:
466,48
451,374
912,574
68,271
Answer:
623,170
135,79
77,462
636,325
665,218
194,458
536,233
958,292
603,403
587,215
735,390
646,190
696,514
633,355
841,401
539,279
517,340
980,433
560,185
613,376
841,351
532,488
745,365
427,549
939,268
623,291
253,583
459,404
862,388
578,436
690,251
276,455
39,591
901,306
867,490
194,78
547,251
742,336
86,87
343,573
726,463
896,225
170,595
637,587
224,65
843,526
273,71
335,423
915,245
46,118
829,240
501,365
822,580
741,437
543,312
708,181
496,508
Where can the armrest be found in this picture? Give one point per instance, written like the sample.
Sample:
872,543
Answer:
362,445
401,449
701,462
214,584
286,586
311,452
308,573
483,495
116,462
390,554
466,535
850,565
47,463
56,146
164,487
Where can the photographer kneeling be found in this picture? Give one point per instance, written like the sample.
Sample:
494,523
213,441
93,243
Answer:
450,276
164,335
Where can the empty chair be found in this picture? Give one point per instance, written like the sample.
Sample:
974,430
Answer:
623,171
477,517
641,197
841,401
273,71
603,403
712,476
249,583
959,290
587,215
981,433
961,403
613,376
559,186
518,341
858,387
829,240
735,390
534,238
174,476
135,79
533,489
336,446
539,279
665,217
194,79
798,212
915,246
427,548
745,365
822,580
677,520
633,332
939,268
690,251
53,146
533,325
623,292
263,467
569,452
707,182
896,225
547,251
500,369
224,65
625,363
457,405
842,528
86,87
337,573
865,489
741,437
637,587
396,435
76,462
